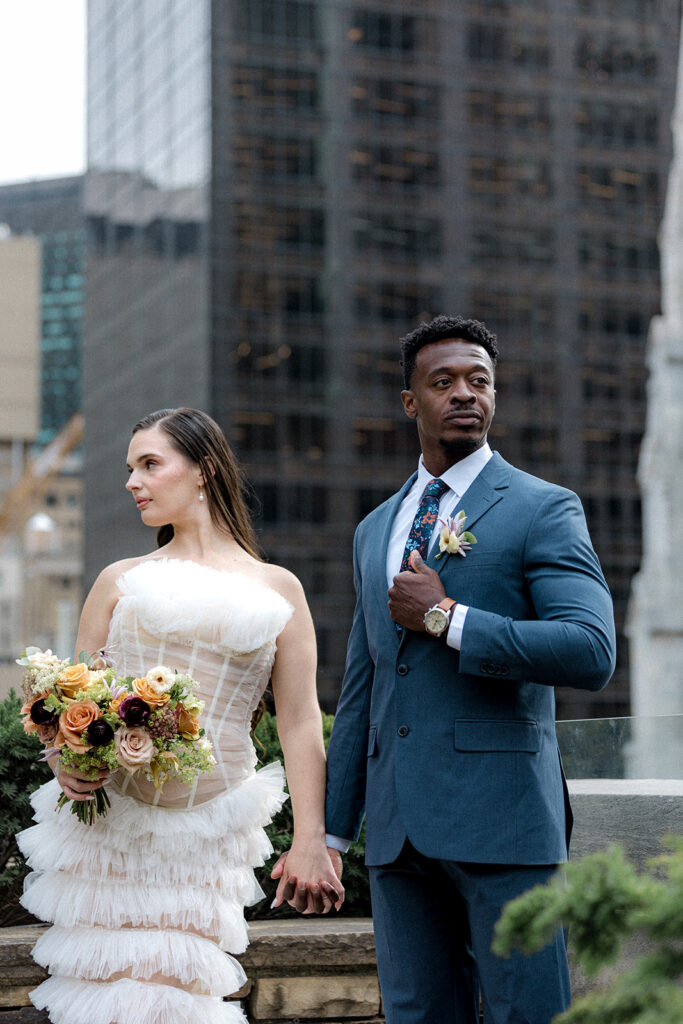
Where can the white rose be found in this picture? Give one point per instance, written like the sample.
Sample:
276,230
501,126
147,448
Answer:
134,748
161,678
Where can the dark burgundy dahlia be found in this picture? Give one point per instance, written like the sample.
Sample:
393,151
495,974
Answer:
99,733
134,711
42,715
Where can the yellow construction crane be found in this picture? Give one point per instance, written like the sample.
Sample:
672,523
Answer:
21,499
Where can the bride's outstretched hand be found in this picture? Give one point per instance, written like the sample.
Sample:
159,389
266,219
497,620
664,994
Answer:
310,879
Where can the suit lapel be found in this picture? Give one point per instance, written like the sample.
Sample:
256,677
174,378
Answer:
485,491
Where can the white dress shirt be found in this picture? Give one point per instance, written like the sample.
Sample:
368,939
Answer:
459,477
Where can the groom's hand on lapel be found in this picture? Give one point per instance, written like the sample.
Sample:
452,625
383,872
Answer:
413,593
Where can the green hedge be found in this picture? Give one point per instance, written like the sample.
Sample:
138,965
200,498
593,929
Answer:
21,772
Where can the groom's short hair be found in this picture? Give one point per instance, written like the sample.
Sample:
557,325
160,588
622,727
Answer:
440,328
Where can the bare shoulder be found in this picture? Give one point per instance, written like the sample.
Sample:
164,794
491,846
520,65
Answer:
284,581
106,580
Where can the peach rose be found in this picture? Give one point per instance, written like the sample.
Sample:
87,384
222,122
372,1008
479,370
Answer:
134,748
147,691
188,724
74,721
114,704
73,679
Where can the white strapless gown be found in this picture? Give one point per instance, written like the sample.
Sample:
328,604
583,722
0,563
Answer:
145,901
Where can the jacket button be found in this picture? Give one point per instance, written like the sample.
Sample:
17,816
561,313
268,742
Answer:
403,730
402,670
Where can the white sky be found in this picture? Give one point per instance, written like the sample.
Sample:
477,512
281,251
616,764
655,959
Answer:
42,88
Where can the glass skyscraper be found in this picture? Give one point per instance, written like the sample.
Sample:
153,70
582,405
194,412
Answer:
52,211
278,189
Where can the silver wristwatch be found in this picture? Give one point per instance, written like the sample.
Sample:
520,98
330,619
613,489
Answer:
437,619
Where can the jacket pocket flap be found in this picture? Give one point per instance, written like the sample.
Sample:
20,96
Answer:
474,735
372,740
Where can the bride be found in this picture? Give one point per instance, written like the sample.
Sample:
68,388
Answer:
144,901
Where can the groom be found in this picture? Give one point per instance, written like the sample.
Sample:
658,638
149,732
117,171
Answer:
444,735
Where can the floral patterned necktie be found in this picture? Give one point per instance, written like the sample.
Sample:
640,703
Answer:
424,521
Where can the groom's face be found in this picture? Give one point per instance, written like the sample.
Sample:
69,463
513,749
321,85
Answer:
452,399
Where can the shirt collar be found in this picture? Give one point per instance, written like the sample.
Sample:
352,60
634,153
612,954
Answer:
461,474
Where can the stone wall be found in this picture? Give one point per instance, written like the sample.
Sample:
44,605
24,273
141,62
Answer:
299,970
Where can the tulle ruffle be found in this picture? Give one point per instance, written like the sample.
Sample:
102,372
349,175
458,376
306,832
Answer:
148,892
70,1001
94,954
227,610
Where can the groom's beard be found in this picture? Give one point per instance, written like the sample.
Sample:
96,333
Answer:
463,447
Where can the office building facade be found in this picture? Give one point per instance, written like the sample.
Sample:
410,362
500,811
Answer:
278,189
52,211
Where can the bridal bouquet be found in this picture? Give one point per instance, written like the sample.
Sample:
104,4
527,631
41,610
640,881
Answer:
97,720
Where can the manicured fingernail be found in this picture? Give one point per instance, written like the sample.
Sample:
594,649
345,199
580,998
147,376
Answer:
274,904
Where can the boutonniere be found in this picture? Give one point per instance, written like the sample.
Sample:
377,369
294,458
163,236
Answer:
454,539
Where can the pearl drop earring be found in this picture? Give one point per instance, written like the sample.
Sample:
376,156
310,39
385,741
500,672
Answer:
201,495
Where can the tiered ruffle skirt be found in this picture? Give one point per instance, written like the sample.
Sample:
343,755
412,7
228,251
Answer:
144,902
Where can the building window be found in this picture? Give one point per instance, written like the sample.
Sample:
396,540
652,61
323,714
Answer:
611,255
388,300
400,101
599,185
261,224
520,46
398,234
290,504
272,156
382,437
377,369
616,124
304,364
383,30
268,88
271,293
397,165
494,176
516,112
288,19
644,10
510,244
612,58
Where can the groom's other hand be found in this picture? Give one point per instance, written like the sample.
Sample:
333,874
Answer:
412,593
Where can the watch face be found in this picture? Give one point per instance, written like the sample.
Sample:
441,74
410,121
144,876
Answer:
435,620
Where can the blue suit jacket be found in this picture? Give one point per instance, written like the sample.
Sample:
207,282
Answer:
457,750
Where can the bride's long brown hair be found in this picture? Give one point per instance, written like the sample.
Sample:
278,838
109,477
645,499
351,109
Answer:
199,438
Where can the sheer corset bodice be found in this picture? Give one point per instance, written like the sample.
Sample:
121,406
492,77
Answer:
222,629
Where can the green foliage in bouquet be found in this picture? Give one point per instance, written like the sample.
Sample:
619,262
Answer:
357,902
604,901
21,773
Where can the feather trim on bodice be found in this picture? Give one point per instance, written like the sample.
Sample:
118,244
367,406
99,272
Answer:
184,600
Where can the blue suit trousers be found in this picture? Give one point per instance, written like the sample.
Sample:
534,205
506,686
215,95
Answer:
434,922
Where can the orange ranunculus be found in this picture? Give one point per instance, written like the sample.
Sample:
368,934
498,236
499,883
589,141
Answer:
73,679
74,721
147,691
188,724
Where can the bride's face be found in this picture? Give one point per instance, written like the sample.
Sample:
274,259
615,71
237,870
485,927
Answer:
164,483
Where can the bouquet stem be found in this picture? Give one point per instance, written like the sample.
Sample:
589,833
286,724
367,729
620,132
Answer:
87,810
